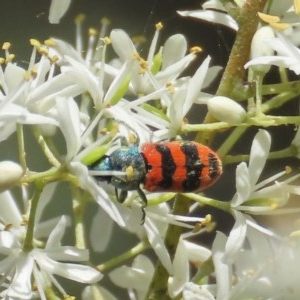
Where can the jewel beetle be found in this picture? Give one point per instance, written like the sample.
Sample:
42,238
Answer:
174,166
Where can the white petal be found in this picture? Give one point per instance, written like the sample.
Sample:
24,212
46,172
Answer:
122,78
54,239
57,9
137,277
222,270
45,227
14,75
80,74
20,288
99,195
243,188
236,237
181,272
7,242
67,253
258,155
68,117
101,226
45,198
173,71
195,84
211,16
18,114
95,292
194,291
9,213
62,85
122,44
279,61
80,273
174,49
158,245
6,130
196,253
259,45
62,49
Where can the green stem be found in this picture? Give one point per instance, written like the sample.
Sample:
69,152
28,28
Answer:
21,146
278,88
79,205
234,74
261,121
225,206
159,286
287,152
51,175
258,84
46,149
28,245
139,248
266,121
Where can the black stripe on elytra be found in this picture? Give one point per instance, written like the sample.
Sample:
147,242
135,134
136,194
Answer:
167,164
213,165
193,166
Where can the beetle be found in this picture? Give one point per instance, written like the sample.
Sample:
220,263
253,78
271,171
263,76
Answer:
174,166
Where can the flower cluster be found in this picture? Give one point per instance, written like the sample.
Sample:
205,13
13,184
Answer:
84,104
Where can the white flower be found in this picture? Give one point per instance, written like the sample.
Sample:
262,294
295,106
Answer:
149,75
70,124
39,264
249,192
256,198
186,93
28,96
186,253
265,267
288,55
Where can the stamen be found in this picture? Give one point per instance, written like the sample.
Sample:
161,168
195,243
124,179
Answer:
9,58
6,46
195,49
50,43
106,40
280,26
79,19
297,6
159,26
35,43
288,170
268,18
44,51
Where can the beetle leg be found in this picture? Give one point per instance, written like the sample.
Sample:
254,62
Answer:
145,202
121,196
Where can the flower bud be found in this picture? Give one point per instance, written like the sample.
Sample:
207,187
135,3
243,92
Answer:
260,47
226,110
10,174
